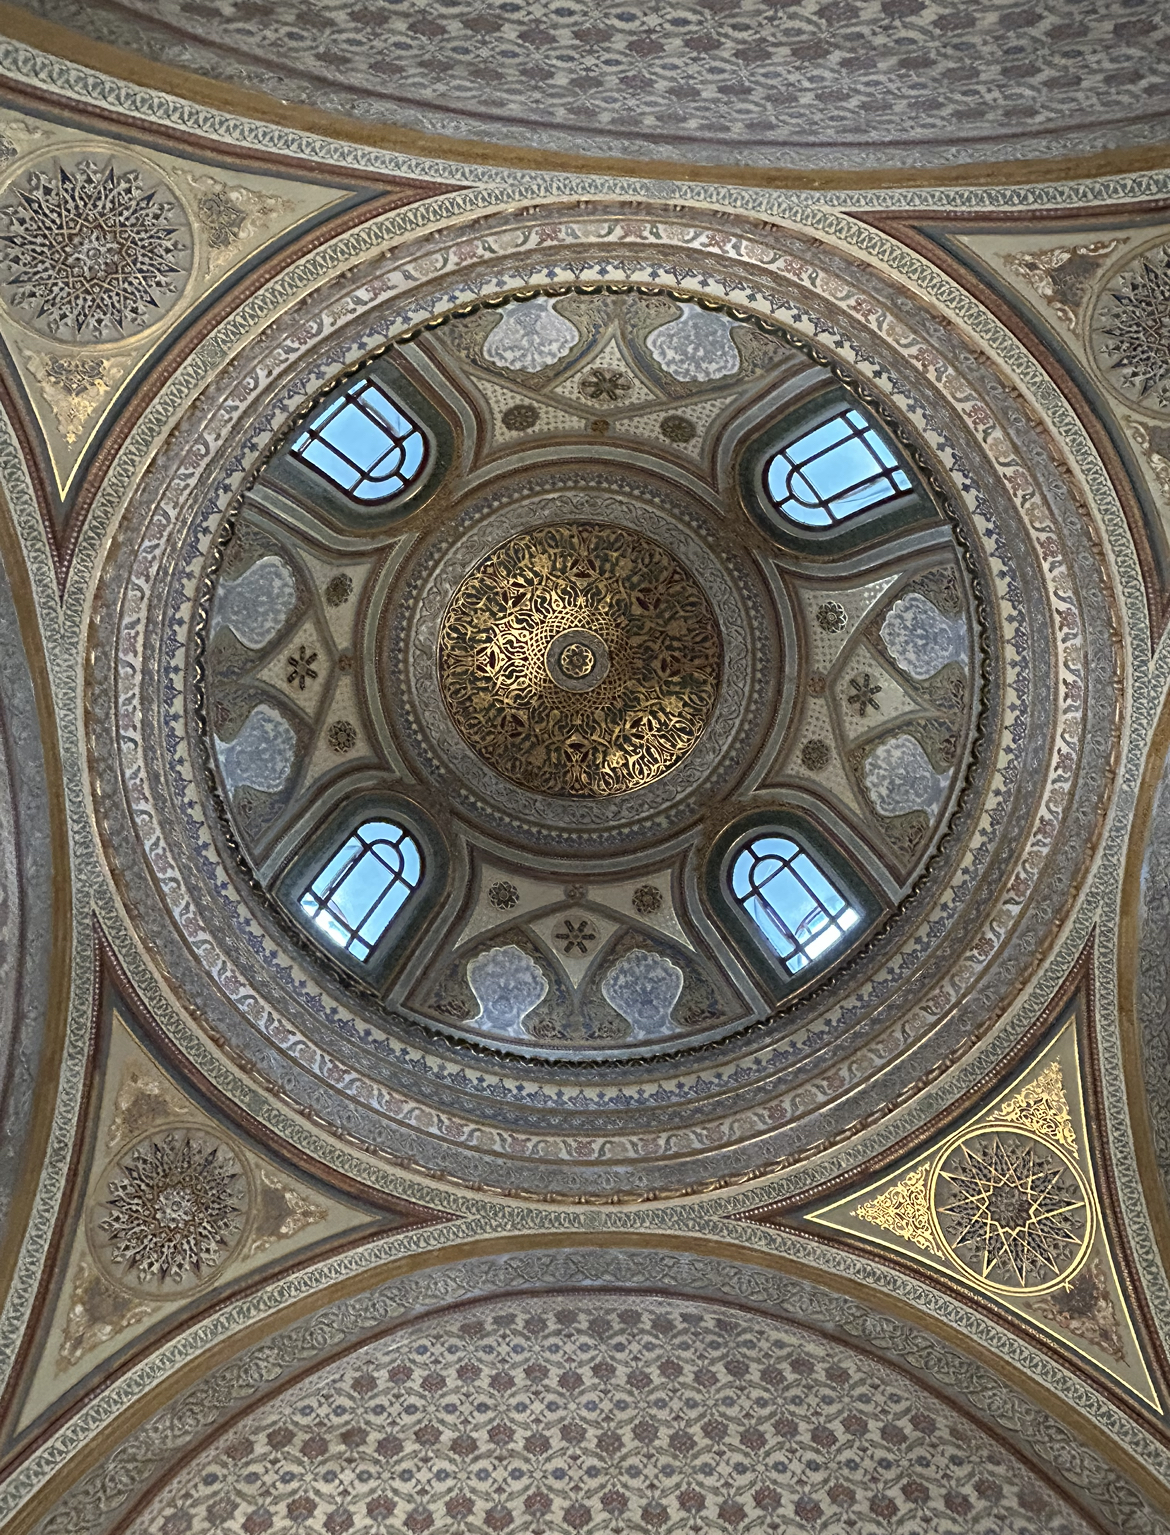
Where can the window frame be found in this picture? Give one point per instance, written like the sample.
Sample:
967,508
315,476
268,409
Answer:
796,471
321,843
799,949
349,396
292,479
367,848
860,891
907,512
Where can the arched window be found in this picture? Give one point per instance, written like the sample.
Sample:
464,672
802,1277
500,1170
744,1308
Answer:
797,908
834,471
364,444
364,886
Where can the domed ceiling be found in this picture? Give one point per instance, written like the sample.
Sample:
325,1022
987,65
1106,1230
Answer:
583,860
567,521
584,654
852,83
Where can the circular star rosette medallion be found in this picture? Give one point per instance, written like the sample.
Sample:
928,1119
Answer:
1011,1210
172,1213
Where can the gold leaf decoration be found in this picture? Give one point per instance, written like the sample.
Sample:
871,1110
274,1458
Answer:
580,659
1084,1309
144,1102
1154,443
1042,1107
1062,277
903,1210
73,387
233,216
282,1212
97,1313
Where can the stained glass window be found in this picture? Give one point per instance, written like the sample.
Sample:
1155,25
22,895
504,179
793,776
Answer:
364,886
797,908
834,471
364,444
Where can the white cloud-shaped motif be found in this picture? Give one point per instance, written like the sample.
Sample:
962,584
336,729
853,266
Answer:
643,987
899,778
261,756
921,639
695,348
507,984
530,336
255,606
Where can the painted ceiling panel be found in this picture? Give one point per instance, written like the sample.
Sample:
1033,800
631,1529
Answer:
854,83
583,789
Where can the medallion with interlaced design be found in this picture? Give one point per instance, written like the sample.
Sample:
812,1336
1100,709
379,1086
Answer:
1012,1210
580,659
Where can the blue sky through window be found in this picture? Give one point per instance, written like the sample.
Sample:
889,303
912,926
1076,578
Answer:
364,886
365,444
834,471
795,905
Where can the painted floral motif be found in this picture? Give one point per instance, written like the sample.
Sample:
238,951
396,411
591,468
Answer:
921,640
832,617
520,418
261,755
338,590
302,667
91,251
643,988
221,218
507,984
576,936
342,736
74,387
678,429
607,386
900,779
863,694
1083,1308
1063,276
503,894
530,336
256,605
605,1415
695,348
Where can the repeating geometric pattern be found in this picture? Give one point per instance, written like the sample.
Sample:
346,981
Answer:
92,250
849,81
608,1414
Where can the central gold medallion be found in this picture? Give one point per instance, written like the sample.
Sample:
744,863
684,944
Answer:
580,659
577,660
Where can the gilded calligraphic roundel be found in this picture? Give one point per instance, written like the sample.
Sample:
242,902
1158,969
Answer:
1012,1210
580,659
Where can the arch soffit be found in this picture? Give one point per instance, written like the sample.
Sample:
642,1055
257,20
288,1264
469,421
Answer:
177,1405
